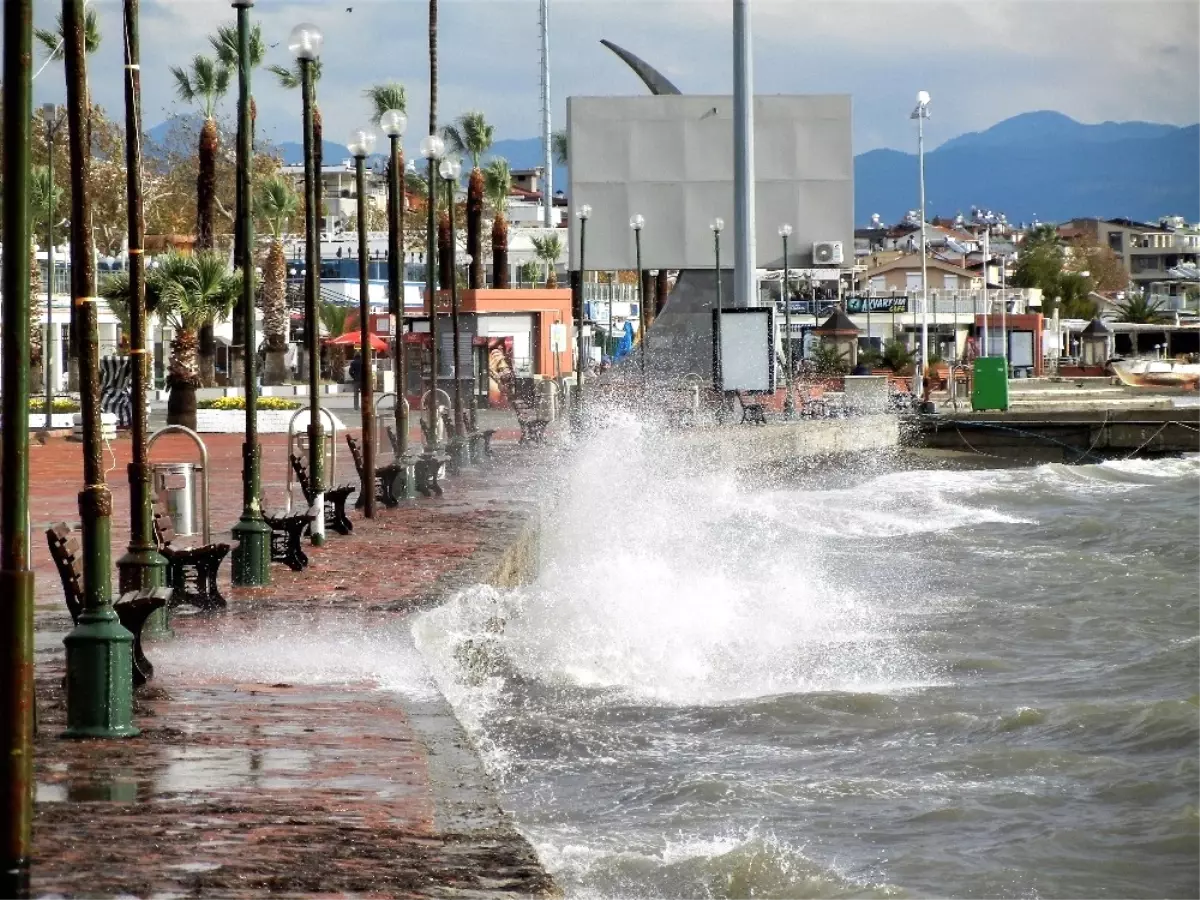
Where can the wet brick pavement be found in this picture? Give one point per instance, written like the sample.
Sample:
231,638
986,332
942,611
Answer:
240,787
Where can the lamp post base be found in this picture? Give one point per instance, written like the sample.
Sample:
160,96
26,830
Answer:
252,555
142,568
460,454
99,677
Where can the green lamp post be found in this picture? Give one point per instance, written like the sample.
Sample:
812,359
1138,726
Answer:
637,223
99,650
450,169
305,44
16,578
360,146
789,408
392,123
252,556
432,148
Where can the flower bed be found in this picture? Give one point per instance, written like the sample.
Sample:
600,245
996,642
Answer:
233,421
264,403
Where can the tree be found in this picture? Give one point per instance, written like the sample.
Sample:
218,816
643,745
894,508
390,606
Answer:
45,208
277,204
827,359
225,46
383,97
205,84
1105,269
558,147
548,248
1040,264
1140,310
1074,297
897,357
52,41
290,79
497,179
471,134
185,291
333,318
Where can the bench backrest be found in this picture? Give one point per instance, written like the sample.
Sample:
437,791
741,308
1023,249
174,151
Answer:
391,433
164,524
65,551
302,477
356,452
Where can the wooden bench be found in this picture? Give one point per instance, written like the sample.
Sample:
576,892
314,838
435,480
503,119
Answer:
335,498
132,608
286,531
385,478
191,571
753,412
532,424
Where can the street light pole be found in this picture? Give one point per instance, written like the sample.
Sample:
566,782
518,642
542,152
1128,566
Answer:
432,148
393,122
360,145
451,169
16,578
305,44
50,117
637,223
584,213
252,556
921,113
99,649
785,231
718,377
142,566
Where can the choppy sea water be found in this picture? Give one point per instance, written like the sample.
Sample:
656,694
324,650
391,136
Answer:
875,682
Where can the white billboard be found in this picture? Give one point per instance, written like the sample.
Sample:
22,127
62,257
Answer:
670,159
746,359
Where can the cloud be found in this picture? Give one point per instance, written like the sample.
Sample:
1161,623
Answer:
1094,60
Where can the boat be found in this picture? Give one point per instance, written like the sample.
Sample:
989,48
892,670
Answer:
1157,373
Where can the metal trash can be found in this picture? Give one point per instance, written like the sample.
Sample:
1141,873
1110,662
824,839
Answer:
178,483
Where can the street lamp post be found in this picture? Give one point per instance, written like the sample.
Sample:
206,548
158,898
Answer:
360,146
393,122
450,169
637,223
432,148
16,577
584,214
50,117
99,649
252,556
717,226
305,44
141,566
921,113
785,231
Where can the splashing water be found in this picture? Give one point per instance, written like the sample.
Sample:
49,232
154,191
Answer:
835,687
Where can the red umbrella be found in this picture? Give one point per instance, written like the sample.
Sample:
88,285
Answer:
354,339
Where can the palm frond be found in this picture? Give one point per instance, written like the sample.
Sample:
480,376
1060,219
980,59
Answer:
289,78
386,96
558,146
225,45
277,202
183,85
471,135
52,41
497,181
548,247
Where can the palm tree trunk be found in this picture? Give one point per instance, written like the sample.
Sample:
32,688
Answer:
206,186
183,378
500,252
275,318
318,154
445,261
35,324
474,227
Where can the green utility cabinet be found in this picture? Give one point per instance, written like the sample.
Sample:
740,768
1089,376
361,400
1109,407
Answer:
990,386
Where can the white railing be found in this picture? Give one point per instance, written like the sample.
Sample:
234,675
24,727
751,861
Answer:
603,293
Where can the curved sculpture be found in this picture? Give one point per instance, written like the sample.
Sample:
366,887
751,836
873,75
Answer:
651,77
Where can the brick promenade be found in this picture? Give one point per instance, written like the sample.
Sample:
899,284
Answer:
291,745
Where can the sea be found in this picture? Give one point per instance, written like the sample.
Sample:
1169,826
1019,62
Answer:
879,677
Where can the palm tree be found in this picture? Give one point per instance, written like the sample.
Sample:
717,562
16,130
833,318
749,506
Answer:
289,79
827,359
205,84
548,248
45,199
225,46
277,203
558,146
389,95
185,291
471,134
333,318
52,41
497,179
1140,310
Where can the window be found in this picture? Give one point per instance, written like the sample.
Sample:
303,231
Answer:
1116,241
950,282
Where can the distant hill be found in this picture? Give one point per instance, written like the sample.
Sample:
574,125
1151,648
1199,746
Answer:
1042,164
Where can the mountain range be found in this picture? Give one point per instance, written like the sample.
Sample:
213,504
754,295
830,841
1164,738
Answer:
1042,165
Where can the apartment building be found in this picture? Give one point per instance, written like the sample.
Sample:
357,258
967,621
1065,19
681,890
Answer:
339,193
1152,254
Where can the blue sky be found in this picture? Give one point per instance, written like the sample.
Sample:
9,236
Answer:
982,60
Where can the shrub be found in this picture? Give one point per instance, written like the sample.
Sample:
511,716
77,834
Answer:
60,405
240,403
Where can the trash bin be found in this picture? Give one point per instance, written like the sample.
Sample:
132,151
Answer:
177,482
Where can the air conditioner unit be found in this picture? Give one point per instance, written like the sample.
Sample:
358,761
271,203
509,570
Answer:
827,253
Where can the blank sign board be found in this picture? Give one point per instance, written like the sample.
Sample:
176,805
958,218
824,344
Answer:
670,160
746,357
